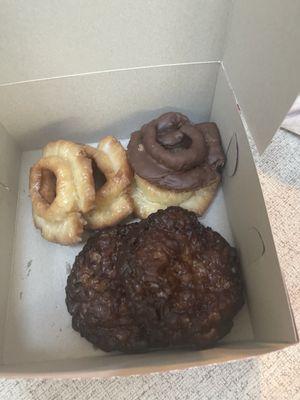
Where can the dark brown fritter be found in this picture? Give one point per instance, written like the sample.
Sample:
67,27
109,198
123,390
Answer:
166,281
95,293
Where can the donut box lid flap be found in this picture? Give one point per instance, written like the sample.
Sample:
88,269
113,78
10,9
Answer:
262,60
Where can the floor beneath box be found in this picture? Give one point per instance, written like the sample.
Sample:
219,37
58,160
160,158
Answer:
38,326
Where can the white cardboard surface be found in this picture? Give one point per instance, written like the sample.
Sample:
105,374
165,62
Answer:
112,103
53,38
262,59
138,364
38,325
9,177
267,298
263,64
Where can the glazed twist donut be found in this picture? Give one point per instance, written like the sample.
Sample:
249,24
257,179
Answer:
61,189
113,201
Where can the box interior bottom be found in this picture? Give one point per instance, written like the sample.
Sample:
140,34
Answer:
38,326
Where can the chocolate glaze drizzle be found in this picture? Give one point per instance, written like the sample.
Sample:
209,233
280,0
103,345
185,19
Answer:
173,153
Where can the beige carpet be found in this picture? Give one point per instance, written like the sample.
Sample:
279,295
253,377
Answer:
275,376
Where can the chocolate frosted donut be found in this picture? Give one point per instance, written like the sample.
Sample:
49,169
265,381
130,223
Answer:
175,154
172,141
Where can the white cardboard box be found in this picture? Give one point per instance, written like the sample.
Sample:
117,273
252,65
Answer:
86,69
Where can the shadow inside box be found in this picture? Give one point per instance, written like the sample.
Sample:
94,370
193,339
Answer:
60,129
75,127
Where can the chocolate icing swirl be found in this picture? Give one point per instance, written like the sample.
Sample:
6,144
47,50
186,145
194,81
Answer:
173,153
